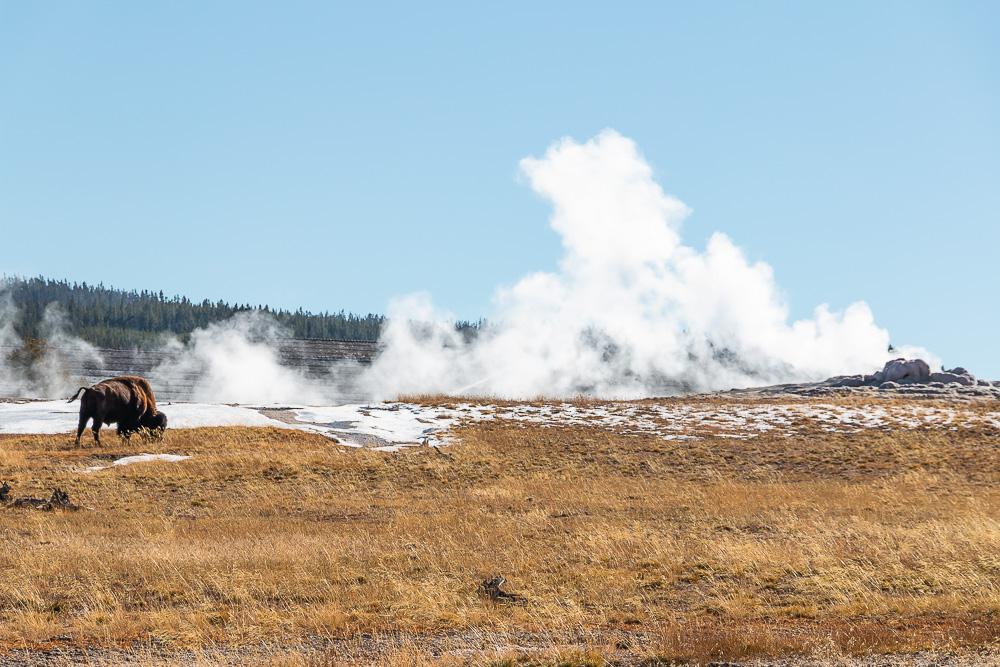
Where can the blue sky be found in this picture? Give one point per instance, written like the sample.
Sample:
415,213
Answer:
335,155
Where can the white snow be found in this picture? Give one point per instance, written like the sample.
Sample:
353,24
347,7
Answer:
39,417
140,458
672,420
388,426
62,417
383,426
197,415
378,426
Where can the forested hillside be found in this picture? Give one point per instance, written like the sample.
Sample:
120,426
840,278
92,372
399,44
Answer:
106,317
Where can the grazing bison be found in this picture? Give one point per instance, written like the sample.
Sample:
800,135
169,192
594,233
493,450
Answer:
126,400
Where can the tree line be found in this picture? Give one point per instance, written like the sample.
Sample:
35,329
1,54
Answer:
112,318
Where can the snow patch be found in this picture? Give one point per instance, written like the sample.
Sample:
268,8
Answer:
389,426
198,415
38,417
381,426
140,458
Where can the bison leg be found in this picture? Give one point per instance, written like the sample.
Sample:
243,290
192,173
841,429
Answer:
79,429
97,429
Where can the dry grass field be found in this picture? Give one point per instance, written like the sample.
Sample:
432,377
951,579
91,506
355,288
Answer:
282,547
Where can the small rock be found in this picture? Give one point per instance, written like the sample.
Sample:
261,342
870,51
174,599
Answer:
490,588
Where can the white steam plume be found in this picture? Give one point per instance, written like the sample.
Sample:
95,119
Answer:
10,382
40,368
237,361
631,312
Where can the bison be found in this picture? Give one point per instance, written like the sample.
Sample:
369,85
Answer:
126,400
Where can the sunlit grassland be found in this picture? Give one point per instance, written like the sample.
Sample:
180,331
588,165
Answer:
634,546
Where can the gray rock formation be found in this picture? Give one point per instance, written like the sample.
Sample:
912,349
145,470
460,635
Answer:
904,372
899,377
895,372
947,376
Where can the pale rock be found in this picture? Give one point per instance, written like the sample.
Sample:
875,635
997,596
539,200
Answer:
949,377
904,372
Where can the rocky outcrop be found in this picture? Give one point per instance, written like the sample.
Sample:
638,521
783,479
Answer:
914,371
959,375
905,377
900,372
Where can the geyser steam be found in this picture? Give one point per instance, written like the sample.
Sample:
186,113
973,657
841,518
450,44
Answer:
38,368
237,361
631,312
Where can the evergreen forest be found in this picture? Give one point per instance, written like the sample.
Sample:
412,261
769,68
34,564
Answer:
110,318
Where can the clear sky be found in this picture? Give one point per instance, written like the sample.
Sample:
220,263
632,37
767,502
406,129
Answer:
335,155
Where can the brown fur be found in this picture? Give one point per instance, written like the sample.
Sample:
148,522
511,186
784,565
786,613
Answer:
126,400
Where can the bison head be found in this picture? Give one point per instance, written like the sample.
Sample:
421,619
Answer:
155,422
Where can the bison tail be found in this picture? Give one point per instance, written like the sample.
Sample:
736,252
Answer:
73,397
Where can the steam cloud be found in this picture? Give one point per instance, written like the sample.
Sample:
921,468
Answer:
236,361
34,370
631,312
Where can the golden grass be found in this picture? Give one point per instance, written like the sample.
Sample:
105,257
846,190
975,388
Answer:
642,550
